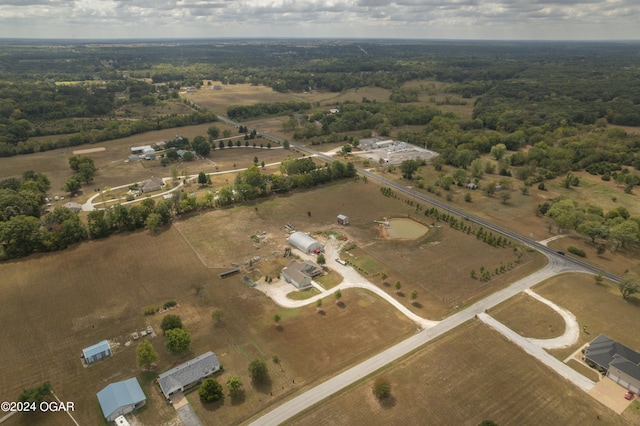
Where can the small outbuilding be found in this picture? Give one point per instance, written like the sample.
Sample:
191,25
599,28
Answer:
74,207
305,242
188,375
120,398
96,352
140,149
343,219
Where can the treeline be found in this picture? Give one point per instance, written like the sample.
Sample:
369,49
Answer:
551,153
614,230
29,108
108,130
22,231
379,116
250,112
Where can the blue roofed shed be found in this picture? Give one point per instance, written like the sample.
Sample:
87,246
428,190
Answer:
96,352
120,398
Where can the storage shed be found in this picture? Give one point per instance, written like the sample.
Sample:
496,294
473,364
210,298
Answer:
120,398
96,352
343,219
304,242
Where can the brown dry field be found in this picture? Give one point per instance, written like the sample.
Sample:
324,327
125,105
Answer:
112,168
469,375
246,94
424,264
529,317
56,304
599,307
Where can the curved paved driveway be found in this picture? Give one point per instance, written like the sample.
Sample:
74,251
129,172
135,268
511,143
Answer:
278,292
311,397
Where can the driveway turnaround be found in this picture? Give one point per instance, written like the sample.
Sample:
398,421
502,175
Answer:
311,397
536,351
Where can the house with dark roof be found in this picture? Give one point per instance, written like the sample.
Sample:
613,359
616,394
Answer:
188,375
150,185
619,362
300,273
120,398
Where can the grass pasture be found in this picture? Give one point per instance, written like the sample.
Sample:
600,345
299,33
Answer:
598,307
469,375
423,264
529,317
62,302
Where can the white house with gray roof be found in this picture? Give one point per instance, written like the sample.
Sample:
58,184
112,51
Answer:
187,375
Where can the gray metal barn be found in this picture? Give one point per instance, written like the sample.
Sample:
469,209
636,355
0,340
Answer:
304,242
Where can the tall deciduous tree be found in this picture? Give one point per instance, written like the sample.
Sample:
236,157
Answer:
258,371
210,390
146,354
177,340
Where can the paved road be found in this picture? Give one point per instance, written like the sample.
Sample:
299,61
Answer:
536,351
313,396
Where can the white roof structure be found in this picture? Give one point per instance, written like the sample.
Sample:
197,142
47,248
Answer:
304,242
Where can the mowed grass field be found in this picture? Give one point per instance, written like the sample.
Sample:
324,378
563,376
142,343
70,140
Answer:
56,304
600,308
469,375
437,265
529,317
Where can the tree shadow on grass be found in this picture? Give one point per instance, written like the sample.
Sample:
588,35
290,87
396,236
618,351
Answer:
238,397
388,402
322,312
264,385
212,406
341,304
386,284
279,328
417,304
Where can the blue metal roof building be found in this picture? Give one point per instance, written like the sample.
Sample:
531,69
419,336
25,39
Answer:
120,398
96,352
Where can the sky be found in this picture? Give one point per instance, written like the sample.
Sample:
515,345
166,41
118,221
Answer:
415,19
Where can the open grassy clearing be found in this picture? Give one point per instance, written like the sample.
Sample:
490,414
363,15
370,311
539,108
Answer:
303,294
112,169
467,376
423,264
247,94
62,302
529,317
600,308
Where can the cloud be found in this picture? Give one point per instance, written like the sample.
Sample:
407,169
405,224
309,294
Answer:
541,19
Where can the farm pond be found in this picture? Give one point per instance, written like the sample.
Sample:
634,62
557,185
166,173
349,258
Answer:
405,229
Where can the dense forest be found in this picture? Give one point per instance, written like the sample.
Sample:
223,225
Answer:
78,89
542,110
